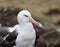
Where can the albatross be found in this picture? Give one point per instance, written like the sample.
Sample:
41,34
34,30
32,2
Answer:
26,33
22,34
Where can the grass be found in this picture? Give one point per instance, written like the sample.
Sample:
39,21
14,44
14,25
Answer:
36,7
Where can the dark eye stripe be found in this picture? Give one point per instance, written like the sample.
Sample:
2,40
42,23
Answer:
25,15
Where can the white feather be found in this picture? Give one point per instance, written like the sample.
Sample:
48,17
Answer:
26,33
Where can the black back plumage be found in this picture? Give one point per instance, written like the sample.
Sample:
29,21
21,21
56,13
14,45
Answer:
7,39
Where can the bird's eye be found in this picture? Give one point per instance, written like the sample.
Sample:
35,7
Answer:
25,15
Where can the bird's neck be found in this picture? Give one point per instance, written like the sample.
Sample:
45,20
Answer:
24,23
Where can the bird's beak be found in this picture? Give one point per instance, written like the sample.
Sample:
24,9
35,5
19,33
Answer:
33,21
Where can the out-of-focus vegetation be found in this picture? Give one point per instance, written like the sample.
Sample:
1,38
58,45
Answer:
36,7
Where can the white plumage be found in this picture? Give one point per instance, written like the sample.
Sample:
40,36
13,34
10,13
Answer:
26,33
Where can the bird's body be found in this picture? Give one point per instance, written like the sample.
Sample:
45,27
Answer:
26,35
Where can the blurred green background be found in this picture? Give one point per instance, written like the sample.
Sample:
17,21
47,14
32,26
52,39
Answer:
36,7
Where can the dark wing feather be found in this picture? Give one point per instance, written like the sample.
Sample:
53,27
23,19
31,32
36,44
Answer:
4,31
10,39
12,36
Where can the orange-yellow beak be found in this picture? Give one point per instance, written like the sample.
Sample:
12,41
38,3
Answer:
35,22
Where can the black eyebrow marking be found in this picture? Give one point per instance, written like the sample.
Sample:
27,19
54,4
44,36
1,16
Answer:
25,15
